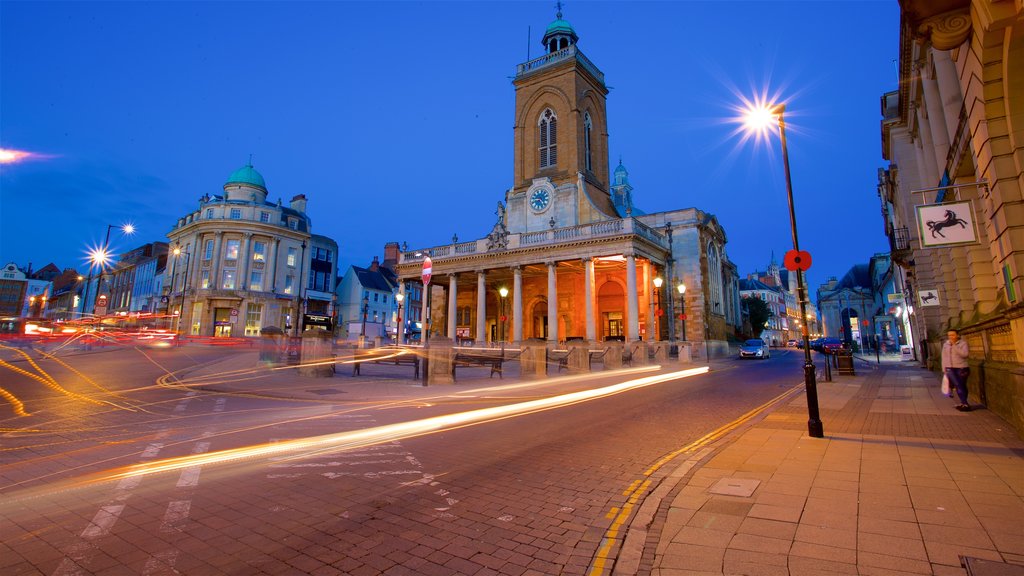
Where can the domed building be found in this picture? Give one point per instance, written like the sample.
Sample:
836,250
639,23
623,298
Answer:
239,263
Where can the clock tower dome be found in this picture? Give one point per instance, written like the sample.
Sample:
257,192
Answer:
560,137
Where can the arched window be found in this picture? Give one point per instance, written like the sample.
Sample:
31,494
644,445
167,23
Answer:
714,278
587,126
548,139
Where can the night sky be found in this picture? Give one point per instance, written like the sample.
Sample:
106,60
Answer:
395,118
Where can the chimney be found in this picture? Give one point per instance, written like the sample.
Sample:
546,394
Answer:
375,265
391,255
299,203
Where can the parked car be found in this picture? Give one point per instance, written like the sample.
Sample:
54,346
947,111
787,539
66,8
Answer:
830,345
755,348
791,343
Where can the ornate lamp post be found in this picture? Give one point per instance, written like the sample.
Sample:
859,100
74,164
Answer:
759,117
681,288
366,306
399,321
503,292
658,281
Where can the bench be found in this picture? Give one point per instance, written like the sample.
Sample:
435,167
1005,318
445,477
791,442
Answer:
483,357
410,359
561,356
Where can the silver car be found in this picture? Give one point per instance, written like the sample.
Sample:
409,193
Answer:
755,348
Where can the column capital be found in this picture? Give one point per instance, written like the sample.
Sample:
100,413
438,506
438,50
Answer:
551,263
586,259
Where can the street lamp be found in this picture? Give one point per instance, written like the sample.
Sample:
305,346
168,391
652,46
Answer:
758,117
400,323
681,288
658,281
184,284
366,305
100,257
668,272
503,292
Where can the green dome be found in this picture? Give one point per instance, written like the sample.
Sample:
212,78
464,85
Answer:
247,175
560,26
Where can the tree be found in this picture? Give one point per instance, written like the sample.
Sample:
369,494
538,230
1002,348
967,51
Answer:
758,312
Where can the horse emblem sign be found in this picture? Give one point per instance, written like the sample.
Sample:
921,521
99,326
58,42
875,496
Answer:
946,224
928,297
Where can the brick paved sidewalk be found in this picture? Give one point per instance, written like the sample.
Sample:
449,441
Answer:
901,484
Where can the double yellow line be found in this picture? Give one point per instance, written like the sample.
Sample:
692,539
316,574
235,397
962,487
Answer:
638,488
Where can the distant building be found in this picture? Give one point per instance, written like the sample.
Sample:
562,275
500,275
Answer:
129,286
776,330
847,307
239,263
367,300
13,293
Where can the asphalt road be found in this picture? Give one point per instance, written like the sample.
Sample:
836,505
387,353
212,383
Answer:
115,473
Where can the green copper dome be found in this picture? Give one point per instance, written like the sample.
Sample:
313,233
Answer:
247,175
560,26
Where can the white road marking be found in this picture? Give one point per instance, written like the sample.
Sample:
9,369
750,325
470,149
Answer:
102,522
175,516
189,477
161,563
152,450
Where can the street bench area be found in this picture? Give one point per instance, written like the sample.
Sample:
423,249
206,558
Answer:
493,357
392,356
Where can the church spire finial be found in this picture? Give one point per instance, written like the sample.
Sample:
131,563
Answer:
250,160
558,6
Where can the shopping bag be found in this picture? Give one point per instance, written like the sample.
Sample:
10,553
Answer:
945,385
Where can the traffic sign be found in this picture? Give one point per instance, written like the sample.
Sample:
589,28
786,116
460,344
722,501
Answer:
428,267
234,311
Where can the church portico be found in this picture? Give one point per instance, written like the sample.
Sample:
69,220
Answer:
569,257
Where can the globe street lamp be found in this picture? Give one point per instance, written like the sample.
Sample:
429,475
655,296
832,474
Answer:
658,281
503,292
758,117
400,323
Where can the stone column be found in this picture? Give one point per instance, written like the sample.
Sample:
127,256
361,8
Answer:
481,307
552,302
218,244
632,303
936,118
272,247
243,262
517,304
588,296
453,305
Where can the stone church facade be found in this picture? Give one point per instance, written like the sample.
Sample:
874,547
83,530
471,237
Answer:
572,255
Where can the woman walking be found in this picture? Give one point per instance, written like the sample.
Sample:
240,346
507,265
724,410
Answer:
954,365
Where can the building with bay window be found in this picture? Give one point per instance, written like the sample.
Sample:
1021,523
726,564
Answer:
239,263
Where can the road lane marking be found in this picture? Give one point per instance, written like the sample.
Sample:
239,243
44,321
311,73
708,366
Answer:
175,516
102,522
639,487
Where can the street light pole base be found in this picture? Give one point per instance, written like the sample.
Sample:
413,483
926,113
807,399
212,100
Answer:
815,429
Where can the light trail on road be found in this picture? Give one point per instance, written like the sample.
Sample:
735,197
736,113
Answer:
370,436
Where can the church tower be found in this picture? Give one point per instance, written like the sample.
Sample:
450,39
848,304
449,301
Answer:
561,175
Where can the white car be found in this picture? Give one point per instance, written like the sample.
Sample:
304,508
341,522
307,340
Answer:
755,348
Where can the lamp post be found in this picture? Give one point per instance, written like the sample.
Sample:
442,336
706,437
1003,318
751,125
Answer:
668,272
761,117
400,322
366,306
184,285
658,281
99,257
503,292
681,288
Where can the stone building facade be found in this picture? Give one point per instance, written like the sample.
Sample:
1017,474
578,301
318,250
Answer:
577,258
954,130
239,263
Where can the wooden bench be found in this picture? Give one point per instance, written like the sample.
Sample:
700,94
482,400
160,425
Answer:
396,360
483,357
561,356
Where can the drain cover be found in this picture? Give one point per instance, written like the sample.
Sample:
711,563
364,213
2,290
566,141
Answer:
735,487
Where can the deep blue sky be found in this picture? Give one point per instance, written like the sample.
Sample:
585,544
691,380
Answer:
395,118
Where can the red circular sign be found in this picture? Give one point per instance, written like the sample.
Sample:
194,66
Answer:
428,267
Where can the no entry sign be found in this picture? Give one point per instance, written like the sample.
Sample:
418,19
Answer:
428,267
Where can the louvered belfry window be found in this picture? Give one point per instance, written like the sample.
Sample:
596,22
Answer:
548,139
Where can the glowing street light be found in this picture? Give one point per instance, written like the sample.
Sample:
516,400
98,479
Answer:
400,324
759,117
503,292
681,288
99,257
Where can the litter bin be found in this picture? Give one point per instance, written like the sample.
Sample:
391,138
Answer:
844,361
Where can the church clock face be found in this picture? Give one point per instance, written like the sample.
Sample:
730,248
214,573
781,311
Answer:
540,199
